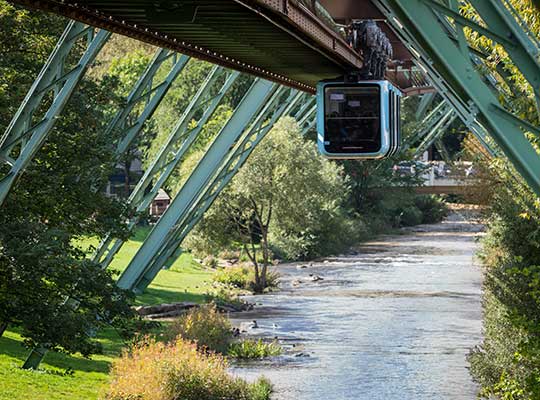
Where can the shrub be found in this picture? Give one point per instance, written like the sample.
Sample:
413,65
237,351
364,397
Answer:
243,277
433,208
211,330
239,277
176,370
410,216
223,297
248,349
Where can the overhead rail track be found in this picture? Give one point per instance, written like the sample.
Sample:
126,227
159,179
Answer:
279,40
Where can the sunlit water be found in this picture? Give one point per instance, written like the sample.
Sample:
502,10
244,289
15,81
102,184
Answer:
395,321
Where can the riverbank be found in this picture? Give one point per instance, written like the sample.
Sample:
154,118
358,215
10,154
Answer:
302,295
393,319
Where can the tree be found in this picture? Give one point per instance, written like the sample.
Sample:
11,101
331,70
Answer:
286,198
54,204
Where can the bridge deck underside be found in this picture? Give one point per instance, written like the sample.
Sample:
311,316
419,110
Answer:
230,33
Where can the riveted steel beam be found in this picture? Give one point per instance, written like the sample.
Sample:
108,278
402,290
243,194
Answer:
144,98
27,131
436,132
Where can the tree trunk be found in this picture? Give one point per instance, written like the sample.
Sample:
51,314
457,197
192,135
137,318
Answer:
266,257
3,327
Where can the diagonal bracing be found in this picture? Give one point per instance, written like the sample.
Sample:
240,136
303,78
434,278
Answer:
29,128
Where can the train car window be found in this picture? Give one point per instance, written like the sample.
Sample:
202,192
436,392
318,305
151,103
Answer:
352,119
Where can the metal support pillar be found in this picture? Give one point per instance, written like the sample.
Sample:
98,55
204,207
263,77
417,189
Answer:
252,103
27,131
451,70
129,121
182,136
171,249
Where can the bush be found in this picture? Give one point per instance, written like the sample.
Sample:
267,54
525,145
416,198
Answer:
410,216
249,349
239,277
205,326
164,371
433,208
243,277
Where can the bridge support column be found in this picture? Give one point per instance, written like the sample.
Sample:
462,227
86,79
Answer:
266,119
130,120
449,65
182,136
252,103
27,131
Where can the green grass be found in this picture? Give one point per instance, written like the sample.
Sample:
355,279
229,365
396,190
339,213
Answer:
88,380
186,280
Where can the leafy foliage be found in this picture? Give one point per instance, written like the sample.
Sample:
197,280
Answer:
256,208
54,203
250,349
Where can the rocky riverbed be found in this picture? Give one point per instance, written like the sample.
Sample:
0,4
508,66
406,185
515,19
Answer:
394,319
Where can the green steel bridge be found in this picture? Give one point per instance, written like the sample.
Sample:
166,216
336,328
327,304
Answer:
289,45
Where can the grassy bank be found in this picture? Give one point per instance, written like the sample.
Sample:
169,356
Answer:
74,377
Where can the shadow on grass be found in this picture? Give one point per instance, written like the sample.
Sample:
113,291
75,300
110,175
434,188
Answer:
14,348
153,296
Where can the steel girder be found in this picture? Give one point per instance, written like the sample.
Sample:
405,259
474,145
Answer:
171,250
150,95
131,118
252,103
449,66
181,137
27,131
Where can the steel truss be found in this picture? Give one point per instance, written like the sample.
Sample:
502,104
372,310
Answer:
144,99
181,137
258,130
434,34
249,119
51,91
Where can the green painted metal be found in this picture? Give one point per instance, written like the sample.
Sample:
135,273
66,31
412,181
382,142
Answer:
425,102
131,118
427,125
250,106
171,249
27,131
437,132
308,121
458,81
182,136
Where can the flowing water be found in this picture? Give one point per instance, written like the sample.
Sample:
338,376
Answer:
394,321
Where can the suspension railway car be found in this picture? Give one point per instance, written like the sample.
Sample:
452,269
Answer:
358,120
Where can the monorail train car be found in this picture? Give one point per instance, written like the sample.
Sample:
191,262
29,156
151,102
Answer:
358,120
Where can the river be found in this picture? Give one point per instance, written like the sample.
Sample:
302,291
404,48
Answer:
394,320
